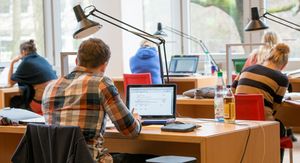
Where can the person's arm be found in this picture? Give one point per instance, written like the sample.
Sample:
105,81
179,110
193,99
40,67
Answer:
235,83
280,94
251,60
11,70
124,121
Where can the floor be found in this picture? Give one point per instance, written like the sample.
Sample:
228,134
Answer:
296,151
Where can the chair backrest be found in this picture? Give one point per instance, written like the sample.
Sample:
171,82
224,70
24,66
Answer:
140,78
249,107
59,144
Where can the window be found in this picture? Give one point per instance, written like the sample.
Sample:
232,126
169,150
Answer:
4,6
69,23
166,12
19,27
25,6
288,10
216,23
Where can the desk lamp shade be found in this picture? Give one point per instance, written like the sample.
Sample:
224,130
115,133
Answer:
255,23
160,31
85,26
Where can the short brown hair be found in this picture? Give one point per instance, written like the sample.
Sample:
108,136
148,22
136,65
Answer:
92,53
28,46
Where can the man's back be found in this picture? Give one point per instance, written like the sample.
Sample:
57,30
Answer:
83,99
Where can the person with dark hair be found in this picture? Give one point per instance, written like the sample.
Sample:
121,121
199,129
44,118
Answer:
85,98
32,75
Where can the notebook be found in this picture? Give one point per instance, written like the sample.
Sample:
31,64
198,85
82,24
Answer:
183,65
21,116
156,104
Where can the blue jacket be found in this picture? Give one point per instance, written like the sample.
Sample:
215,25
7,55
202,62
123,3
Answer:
146,60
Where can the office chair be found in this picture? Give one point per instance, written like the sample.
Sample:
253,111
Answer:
251,107
140,78
51,143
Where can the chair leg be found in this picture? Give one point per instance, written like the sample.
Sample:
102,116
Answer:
291,155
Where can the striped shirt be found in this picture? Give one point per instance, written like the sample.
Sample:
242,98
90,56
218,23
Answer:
85,99
258,79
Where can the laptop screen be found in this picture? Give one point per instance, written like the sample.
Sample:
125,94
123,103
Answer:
152,100
183,64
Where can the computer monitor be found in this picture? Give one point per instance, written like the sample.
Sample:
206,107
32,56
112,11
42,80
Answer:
183,64
152,101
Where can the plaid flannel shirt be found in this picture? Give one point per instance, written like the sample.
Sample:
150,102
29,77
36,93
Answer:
85,99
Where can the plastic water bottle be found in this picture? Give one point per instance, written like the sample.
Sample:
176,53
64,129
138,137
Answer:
218,100
207,65
229,106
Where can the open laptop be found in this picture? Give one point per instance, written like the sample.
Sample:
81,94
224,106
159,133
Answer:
183,65
154,103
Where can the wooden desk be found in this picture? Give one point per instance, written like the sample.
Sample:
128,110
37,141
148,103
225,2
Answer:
183,83
289,113
6,94
10,136
195,108
295,82
212,143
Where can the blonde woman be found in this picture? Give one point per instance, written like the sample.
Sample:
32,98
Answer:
258,56
266,79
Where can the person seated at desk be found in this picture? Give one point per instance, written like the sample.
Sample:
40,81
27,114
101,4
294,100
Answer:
85,97
146,60
268,80
258,56
32,76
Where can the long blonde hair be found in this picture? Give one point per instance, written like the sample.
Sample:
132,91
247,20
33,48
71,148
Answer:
270,39
279,55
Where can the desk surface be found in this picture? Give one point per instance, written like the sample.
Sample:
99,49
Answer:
10,90
208,128
192,101
13,129
228,139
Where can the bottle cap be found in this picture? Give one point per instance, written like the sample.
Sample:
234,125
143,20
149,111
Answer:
220,74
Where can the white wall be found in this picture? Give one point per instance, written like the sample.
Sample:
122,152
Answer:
132,13
111,35
122,44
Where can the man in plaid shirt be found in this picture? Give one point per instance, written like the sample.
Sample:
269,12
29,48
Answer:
85,97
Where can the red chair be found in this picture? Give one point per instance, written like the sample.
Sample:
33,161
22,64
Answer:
251,107
140,78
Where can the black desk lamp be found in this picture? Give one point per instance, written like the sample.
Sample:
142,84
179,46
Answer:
87,27
257,24
186,36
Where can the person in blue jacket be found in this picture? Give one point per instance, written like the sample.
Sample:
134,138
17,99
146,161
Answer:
146,60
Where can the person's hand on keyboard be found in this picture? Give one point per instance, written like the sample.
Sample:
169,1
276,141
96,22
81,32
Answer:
136,115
